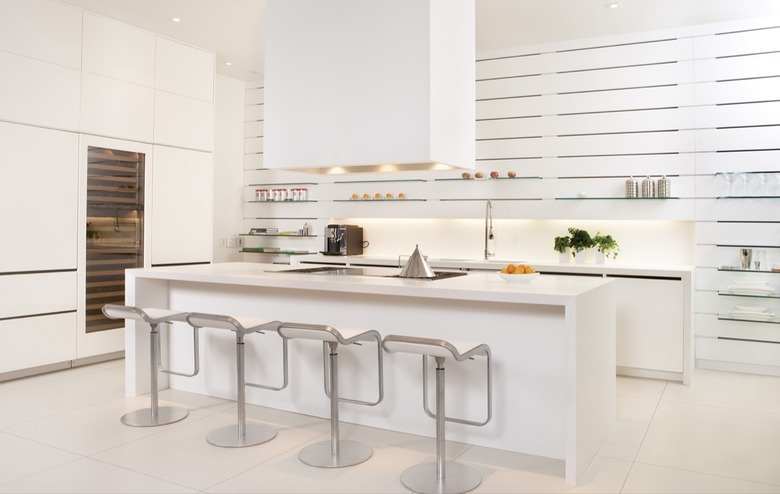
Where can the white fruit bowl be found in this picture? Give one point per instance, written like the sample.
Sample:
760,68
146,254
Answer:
518,278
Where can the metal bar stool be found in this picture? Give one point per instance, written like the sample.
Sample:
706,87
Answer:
441,477
336,453
155,415
242,434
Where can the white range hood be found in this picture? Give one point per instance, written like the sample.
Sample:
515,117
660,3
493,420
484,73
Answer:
369,85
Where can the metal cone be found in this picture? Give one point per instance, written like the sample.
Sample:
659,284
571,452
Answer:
417,266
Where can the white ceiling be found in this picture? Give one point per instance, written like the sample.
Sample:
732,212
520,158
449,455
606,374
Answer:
233,29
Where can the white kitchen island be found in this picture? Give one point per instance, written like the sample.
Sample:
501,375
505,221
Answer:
553,345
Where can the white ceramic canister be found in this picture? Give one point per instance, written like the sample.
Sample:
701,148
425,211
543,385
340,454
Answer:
664,187
648,187
632,187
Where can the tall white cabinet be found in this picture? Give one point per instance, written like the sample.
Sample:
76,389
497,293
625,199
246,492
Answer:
73,79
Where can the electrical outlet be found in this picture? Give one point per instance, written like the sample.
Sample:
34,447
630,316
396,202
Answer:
223,242
239,241
231,241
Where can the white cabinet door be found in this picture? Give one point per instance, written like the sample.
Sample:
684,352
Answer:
39,93
183,122
113,108
38,198
36,341
182,191
42,29
650,324
184,70
117,50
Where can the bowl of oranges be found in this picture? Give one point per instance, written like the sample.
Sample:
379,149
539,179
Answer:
518,273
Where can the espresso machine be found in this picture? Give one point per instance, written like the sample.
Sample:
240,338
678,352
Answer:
343,240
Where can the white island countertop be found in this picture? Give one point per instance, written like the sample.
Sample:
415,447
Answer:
475,286
552,342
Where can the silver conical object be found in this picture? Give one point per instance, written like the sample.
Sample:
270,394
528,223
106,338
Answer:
416,266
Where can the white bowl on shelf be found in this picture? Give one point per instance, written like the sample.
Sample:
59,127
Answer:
518,278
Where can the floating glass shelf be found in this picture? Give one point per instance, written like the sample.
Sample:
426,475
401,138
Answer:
279,202
773,320
456,179
615,198
275,235
740,270
342,182
748,197
363,201
266,250
741,246
282,183
731,294
496,200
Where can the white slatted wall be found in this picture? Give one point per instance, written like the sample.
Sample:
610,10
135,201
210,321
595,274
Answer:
574,121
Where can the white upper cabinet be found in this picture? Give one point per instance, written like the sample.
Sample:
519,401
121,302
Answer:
44,94
183,122
39,198
113,108
42,29
117,50
184,70
182,190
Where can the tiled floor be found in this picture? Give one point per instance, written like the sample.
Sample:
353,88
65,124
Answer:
61,432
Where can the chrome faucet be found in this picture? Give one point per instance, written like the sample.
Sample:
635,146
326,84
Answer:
488,229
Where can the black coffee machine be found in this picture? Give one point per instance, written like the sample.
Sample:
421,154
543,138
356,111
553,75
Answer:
343,240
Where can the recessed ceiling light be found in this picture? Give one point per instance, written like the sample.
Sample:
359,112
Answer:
613,5
176,19
228,63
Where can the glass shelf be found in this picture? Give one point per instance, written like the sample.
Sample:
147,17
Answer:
282,183
275,235
497,200
730,294
279,202
748,197
774,320
266,250
363,201
615,198
740,270
747,246
456,179
342,182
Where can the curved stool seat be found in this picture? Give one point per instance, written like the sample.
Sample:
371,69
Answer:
155,415
441,477
241,434
336,453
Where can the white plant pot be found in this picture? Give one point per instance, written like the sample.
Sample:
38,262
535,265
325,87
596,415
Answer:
564,257
600,257
579,257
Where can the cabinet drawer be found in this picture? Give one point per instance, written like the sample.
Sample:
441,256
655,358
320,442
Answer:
40,293
744,352
36,341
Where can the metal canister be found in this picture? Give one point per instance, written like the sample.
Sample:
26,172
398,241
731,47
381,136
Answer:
664,187
632,187
648,187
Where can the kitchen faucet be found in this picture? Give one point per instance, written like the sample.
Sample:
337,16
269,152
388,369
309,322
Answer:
488,228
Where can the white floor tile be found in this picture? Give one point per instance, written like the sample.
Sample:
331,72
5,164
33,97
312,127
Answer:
633,419
728,389
91,476
21,458
640,388
647,479
719,441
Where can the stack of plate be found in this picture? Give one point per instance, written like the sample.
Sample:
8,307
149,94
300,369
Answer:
751,312
751,288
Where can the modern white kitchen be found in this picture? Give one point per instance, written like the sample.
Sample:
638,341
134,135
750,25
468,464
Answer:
146,167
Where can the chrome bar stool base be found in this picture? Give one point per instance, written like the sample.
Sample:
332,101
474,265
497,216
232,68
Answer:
423,479
229,436
144,417
349,453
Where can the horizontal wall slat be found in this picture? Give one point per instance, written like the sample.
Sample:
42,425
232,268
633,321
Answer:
740,91
737,43
738,139
743,67
628,77
624,55
741,114
254,113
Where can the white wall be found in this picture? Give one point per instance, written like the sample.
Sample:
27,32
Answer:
228,166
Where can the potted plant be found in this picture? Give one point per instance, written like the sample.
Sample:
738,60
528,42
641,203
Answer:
579,241
606,246
562,247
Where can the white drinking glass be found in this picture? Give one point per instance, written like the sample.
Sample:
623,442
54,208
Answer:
746,180
759,260
762,180
729,177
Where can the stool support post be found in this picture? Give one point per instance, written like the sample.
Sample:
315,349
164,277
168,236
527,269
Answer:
333,359
241,377
154,363
440,419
